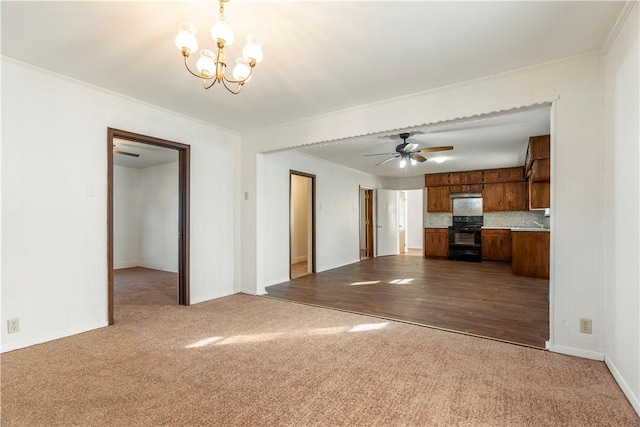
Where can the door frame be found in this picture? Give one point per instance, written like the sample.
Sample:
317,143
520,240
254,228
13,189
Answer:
367,215
313,218
184,172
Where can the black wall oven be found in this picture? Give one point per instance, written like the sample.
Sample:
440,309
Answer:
465,239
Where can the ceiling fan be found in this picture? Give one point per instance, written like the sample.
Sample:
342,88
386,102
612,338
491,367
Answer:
409,151
124,153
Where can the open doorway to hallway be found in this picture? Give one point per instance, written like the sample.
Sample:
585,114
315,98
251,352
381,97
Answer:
301,224
366,223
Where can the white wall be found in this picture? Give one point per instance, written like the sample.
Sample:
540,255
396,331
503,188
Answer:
54,201
127,216
415,227
575,86
622,180
337,213
159,219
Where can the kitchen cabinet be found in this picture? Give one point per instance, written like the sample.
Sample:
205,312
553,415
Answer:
436,242
505,196
468,188
538,171
436,179
503,175
467,177
530,253
438,199
496,244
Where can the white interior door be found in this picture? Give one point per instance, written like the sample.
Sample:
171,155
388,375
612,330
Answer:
387,224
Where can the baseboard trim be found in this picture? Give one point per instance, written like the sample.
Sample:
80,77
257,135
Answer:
570,351
633,399
126,264
159,266
210,297
50,337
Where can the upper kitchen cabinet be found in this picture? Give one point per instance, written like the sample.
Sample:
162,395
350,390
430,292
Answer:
434,179
468,177
503,175
438,199
538,171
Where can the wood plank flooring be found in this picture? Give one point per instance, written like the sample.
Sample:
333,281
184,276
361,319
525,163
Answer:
484,299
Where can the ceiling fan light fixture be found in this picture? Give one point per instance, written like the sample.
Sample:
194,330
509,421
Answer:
414,162
403,163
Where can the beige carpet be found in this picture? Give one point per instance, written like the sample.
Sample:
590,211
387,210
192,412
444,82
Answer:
251,361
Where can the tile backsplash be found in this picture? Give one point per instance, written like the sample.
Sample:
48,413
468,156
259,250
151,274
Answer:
492,219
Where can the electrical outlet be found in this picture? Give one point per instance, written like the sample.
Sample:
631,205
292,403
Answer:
13,326
585,326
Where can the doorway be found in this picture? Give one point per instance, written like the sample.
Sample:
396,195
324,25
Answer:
183,211
366,223
302,227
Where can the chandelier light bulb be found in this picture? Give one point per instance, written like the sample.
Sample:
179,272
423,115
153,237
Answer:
186,38
241,70
206,65
253,49
222,30
403,163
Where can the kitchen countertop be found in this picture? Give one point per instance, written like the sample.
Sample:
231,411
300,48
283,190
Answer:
520,228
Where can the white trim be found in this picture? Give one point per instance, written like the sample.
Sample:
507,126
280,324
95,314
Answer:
159,266
623,384
613,34
571,351
250,292
50,337
126,264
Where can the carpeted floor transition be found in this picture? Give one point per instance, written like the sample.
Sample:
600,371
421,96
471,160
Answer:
252,361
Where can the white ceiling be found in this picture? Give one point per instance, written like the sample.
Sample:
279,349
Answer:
150,155
320,56
494,141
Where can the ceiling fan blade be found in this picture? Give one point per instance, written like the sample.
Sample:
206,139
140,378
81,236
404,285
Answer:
379,154
385,161
435,149
418,157
125,153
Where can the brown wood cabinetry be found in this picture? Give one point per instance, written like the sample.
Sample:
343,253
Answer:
436,242
530,253
438,199
496,244
435,179
503,175
538,170
468,188
505,196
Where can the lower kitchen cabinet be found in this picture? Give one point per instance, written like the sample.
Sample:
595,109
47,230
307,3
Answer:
530,253
436,242
496,244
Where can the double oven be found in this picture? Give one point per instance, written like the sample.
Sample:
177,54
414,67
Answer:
465,235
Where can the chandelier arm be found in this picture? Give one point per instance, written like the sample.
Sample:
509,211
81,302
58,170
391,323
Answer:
206,86
228,80
224,82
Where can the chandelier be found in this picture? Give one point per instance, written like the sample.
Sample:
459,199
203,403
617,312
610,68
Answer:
211,65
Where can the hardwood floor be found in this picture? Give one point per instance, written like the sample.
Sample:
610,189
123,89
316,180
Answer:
484,299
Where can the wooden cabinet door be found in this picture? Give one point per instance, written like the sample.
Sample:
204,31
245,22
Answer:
438,199
436,179
436,242
475,177
530,253
493,197
515,196
458,178
496,245
541,170
513,174
539,194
